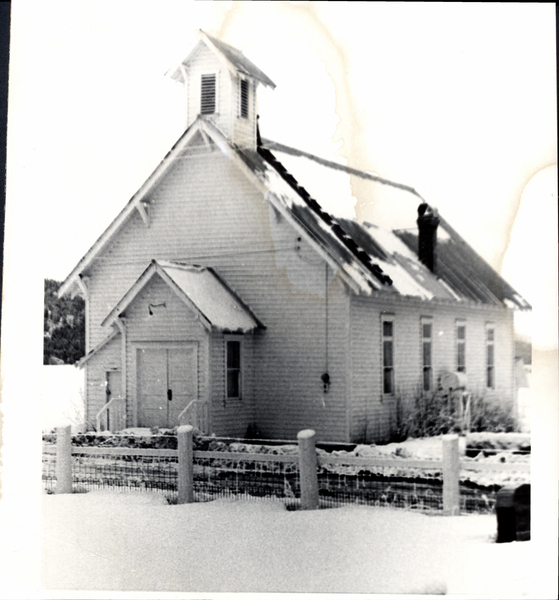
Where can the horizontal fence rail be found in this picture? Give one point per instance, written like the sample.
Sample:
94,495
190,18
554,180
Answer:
187,475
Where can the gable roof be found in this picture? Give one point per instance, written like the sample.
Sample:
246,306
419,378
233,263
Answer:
202,290
234,59
368,259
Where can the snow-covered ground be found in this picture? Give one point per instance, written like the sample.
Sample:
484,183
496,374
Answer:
135,541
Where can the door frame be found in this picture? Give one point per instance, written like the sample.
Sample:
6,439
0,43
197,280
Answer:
148,345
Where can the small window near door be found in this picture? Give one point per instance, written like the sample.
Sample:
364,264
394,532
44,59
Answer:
233,361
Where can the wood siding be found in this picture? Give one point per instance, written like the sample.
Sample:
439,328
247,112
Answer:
206,212
374,413
108,359
241,131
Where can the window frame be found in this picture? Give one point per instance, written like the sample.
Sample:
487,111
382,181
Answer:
460,346
238,369
202,79
387,340
426,366
490,356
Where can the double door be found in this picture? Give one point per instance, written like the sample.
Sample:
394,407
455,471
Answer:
167,381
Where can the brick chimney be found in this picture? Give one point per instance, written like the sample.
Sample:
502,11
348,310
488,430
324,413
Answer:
427,222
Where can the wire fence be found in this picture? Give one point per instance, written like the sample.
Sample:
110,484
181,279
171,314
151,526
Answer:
342,480
390,483
245,475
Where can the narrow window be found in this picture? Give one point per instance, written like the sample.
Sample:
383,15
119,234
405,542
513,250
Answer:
207,100
388,356
233,360
490,341
461,346
243,98
427,349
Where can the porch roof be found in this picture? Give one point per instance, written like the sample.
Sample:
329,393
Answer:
202,290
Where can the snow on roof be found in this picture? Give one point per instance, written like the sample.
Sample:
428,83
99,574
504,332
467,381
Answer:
369,259
202,290
380,255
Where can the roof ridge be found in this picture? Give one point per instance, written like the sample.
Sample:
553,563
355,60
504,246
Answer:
271,145
335,224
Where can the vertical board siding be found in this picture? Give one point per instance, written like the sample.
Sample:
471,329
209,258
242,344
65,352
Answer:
374,414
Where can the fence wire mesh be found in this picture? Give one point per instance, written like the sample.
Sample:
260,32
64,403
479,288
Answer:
49,468
224,475
341,480
382,486
125,472
480,480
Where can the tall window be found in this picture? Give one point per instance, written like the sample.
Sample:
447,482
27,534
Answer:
388,355
243,98
427,349
233,362
207,99
490,341
461,346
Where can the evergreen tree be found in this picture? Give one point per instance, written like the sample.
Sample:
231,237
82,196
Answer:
64,326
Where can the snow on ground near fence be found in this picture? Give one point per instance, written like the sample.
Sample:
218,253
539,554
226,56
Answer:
135,541
61,396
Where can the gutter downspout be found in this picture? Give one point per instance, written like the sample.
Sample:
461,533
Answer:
121,323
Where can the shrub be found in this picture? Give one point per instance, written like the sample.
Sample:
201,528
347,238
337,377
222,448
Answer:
427,415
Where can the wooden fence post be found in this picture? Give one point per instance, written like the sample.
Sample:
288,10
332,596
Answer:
63,460
186,464
451,475
308,469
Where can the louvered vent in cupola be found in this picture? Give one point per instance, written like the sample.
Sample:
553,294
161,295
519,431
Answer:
208,94
243,98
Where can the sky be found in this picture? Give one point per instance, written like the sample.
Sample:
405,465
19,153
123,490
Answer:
455,100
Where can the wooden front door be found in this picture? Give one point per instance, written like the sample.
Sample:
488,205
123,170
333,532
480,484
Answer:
167,380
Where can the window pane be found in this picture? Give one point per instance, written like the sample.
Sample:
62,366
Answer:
233,355
490,377
490,335
426,354
388,387
490,355
461,358
426,379
233,381
427,330
461,332
387,354
387,328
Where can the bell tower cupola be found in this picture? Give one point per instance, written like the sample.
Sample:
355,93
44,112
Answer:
221,84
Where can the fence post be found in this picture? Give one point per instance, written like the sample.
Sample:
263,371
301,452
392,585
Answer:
63,460
451,475
186,464
308,469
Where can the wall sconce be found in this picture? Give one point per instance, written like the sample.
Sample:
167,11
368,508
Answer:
152,306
